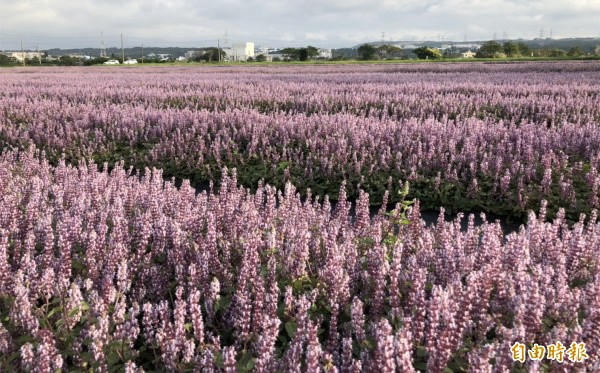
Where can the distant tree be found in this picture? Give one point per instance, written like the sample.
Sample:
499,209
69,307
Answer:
575,52
303,54
453,52
524,49
291,53
261,58
427,53
95,61
212,55
389,51
366,52
276,59
489,49
312,52
250,59
68,61
6,61
556,53
511,49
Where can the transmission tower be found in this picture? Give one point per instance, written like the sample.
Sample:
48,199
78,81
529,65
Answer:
102,48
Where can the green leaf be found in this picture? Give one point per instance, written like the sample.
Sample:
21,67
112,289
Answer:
55,310
73,312
246,362
369,344
24,339
422,351
282,166
420,366
290,328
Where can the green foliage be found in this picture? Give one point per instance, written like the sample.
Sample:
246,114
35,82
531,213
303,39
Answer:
366,52
312,52
6,61
291,53
300,54
212,55
95,61
490,49
427,53
575,52
524,49
511,49
389,51
69,61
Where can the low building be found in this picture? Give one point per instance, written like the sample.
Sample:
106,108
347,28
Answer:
267,57
19,56
192,55
468,54
324,54
240,51
112,62
130,62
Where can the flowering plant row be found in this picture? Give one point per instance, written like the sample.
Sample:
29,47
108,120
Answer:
498,138
111,272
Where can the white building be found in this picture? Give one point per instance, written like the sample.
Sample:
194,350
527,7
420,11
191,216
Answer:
130,62
240,51
261,50
324,54
191,55
468,54
27,55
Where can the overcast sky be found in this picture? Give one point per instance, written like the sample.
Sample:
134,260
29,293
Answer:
276,23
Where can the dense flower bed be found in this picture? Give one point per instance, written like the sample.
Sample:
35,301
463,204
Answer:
114,272
470,137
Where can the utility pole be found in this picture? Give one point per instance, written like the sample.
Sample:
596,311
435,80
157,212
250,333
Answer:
219,49
37,51
22,53
142,53
122,49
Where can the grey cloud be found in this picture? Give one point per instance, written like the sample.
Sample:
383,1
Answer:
335,23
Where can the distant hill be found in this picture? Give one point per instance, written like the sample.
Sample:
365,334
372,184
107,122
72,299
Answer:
588,45
135,52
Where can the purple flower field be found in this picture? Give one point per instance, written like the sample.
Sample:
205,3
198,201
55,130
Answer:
498,138
106,269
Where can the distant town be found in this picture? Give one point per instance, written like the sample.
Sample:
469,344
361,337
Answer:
249,52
